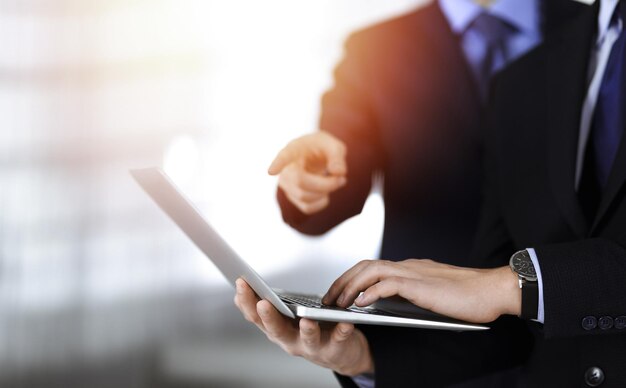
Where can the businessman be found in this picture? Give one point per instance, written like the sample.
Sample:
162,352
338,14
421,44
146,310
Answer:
555,203
408,103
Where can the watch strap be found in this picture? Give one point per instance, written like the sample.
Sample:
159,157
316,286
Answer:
530,299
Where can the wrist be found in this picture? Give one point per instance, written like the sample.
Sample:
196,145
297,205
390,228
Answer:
508,285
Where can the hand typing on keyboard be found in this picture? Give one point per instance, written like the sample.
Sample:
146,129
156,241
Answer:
469,294
341,347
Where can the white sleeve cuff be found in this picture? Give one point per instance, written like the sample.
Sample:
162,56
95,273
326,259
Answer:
533,257
365,380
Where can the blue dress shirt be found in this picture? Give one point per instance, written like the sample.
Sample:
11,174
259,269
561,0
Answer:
524,16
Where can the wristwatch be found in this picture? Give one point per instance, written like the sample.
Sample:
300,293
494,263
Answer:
522,265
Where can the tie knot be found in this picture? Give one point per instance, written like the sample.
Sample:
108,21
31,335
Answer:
492,28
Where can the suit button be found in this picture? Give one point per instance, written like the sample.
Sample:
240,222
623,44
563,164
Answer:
594,376
620,322
590,322
605,323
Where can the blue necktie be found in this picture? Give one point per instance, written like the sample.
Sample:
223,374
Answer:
495,33
607,125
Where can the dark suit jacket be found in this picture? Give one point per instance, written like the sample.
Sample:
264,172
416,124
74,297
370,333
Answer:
531,202
406,106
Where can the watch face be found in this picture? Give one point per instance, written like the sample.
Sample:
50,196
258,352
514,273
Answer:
523,265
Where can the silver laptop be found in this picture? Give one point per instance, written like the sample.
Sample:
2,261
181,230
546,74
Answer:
390,312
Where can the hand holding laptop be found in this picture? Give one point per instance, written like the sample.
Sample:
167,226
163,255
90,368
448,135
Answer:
334,344
340,347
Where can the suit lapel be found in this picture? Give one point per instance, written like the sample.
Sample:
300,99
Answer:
566,85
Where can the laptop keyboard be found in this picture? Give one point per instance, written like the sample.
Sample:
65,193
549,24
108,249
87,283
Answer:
316,302
303,300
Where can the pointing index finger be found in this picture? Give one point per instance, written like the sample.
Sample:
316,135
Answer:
284,157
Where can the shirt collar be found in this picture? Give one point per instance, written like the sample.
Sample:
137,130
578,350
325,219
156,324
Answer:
607,8
523,14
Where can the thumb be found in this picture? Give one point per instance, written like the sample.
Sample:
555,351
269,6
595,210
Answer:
335,152
336,165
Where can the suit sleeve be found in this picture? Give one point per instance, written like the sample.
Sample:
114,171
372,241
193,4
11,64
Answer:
580,279
347,114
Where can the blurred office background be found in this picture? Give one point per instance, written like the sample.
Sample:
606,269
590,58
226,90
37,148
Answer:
97,287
